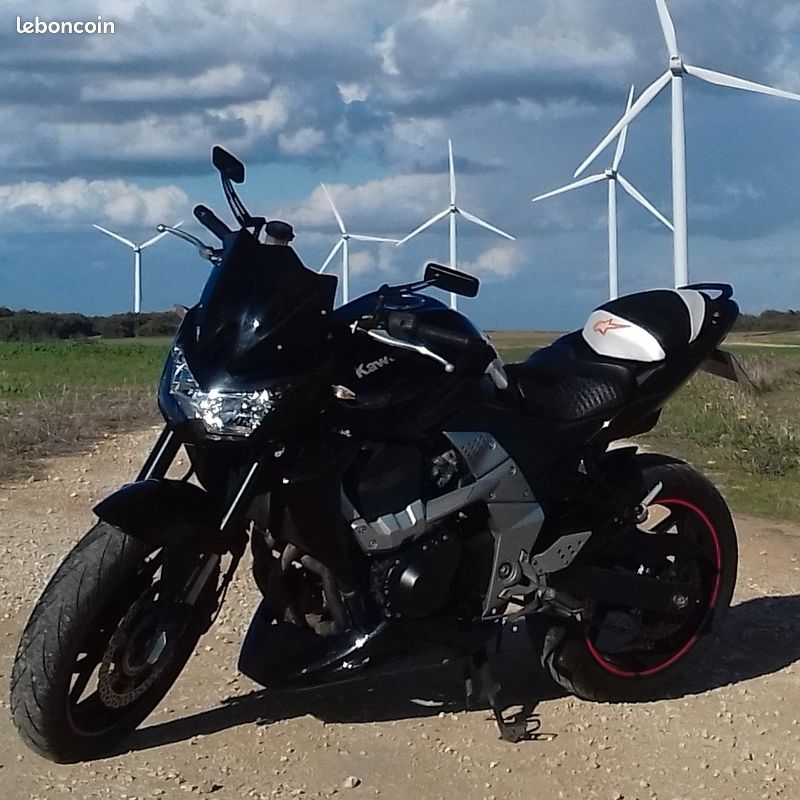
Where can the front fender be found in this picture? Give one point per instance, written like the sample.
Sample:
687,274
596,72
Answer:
160,511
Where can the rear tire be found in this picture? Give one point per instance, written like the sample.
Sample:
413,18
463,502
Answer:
573,654
97,591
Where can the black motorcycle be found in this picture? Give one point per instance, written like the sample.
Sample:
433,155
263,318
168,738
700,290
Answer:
402,490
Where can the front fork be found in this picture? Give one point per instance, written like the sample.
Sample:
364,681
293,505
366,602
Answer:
161,455
229,530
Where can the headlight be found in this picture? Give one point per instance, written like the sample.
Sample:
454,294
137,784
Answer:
220,411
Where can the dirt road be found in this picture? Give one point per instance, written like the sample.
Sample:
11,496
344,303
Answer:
735,733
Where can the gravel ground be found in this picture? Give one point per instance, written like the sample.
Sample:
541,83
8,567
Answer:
734,734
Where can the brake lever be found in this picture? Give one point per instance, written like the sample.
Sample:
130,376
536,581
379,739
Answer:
206,251
385,338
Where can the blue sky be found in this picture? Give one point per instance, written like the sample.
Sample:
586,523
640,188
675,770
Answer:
362,95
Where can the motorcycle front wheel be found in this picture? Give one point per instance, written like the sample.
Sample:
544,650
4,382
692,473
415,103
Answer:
619,654
99,651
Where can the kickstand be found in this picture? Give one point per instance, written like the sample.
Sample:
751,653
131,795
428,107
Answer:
481,683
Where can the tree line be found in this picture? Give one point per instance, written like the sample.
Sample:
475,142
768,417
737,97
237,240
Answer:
32,326
28,326
769,320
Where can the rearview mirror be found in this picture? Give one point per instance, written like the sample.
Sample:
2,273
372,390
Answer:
228,165
452,280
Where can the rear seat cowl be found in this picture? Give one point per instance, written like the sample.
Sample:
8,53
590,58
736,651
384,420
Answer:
646,326
617,337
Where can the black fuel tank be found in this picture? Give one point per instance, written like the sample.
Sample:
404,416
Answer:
383,378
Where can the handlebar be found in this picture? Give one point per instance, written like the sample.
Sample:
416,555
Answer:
442,336
403,330
205,251
205,216
406,325
392,341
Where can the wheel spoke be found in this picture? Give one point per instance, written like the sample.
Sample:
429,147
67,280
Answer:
664,525
90,659
87,667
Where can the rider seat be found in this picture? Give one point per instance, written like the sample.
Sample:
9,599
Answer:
592,373
562,382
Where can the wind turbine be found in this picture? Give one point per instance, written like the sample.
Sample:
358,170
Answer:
613,177
674,75
137,260
344,245
453,211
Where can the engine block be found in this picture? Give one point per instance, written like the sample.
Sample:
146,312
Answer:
415,581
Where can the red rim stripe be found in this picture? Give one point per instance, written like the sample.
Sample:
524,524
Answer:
688,646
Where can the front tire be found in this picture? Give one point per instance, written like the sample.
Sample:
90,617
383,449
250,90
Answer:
602,659
82,676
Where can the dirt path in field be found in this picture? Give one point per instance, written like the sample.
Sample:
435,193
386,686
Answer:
735,734
762,344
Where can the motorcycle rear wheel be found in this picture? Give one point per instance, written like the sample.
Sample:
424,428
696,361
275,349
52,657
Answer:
618,655
82,677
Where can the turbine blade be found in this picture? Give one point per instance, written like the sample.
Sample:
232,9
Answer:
644,99
668,27
623,137
432,221
339,220
642,200
158,236
336,248
153,240
731,81
452,172
115,236
569,187
484,224
361,238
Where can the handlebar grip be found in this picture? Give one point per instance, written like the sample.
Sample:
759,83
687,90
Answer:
434,335
205,216
406,325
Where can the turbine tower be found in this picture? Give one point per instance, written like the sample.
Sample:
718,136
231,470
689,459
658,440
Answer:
137,260
344,245
454,211
674,75
613,176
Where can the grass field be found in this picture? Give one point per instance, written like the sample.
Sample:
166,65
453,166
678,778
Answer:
56,396
46,369
517,345
746,438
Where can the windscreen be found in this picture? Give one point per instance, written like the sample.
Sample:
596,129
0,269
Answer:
262,315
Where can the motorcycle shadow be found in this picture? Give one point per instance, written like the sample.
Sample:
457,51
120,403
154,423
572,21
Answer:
421,691
759,637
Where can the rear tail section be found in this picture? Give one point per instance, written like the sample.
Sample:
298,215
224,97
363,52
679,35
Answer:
629,358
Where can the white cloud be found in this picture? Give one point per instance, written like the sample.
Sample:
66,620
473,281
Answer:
387,206
213,82
301,142
385,47
451,38
77,201
260,116
501,261
352,91
362,261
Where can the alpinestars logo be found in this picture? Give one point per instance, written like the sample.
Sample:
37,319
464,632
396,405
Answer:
373,366
603,326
